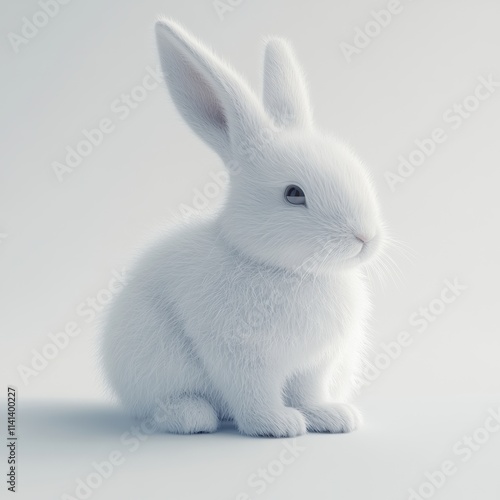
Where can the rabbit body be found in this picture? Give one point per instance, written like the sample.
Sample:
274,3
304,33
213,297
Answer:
256,312
236,337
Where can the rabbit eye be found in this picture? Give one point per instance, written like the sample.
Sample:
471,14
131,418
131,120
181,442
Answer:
295,195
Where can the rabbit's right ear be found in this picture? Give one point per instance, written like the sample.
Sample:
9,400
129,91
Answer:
285,93
212,98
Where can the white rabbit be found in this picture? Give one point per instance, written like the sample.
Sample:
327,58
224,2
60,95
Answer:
255,312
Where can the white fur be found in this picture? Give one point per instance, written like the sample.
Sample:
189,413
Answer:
257,312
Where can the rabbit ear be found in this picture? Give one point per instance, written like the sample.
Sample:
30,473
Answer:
212,98
285,91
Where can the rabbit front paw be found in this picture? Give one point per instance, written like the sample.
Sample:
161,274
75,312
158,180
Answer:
332,417
280,422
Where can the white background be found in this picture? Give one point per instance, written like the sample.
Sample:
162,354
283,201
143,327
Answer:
61,241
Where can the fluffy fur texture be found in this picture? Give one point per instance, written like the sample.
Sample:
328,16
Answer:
255,313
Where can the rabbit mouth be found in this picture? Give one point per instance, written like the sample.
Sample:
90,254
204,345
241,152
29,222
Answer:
362,249
367,250
361,252
367,247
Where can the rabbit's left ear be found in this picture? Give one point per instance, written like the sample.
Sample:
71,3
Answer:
215,101
285,92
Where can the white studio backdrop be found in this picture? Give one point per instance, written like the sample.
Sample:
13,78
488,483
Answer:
419,93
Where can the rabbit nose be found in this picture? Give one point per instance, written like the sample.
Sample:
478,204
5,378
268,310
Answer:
363,238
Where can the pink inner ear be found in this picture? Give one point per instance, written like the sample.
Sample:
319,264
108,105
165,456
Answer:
212,98
204,96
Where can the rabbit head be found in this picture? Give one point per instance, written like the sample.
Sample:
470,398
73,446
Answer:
296,195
